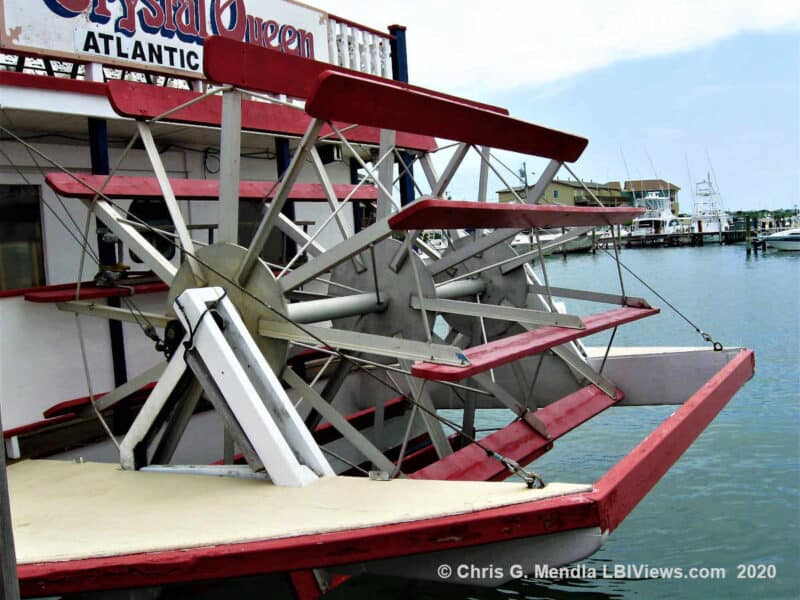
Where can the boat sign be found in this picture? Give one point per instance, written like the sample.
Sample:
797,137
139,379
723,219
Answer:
160,35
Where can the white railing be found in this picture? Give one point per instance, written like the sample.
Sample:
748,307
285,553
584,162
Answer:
358,48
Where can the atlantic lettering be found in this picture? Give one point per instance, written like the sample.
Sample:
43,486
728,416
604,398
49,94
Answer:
115,46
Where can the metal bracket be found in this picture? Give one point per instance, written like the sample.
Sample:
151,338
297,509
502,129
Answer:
223,357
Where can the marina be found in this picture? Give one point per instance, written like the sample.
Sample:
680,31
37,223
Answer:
249,332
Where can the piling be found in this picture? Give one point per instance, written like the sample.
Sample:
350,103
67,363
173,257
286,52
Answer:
747,240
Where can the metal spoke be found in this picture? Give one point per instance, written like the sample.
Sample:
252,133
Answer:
365,342
335,418
169,196
361,162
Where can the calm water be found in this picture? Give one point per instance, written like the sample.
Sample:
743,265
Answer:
734,497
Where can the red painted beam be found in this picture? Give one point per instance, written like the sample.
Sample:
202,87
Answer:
305,584
77,404
384,104
91,291
226,61
518,441
627,482
435,213
37,425
123,187
39,288
514,347
138,101
52,84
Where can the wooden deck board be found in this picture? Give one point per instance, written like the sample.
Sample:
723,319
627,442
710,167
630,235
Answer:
69,511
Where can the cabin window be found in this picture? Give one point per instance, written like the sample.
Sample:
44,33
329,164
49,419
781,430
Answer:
21,254
555,194
154,213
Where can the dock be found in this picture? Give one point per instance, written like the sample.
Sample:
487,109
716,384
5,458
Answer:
734,236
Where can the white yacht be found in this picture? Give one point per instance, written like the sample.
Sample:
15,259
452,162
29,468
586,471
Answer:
658,219
788,239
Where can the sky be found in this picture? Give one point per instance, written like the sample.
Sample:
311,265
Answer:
672,90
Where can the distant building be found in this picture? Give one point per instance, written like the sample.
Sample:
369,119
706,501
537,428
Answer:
571,193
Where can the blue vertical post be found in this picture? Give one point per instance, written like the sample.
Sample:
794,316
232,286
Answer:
283,157
400,73
358,223
107,253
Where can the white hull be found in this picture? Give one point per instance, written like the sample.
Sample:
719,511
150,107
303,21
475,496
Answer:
784,240
785,245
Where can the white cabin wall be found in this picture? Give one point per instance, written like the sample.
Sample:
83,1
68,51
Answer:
40,359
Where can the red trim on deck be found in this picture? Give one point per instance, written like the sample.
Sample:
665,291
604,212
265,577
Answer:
385,104
138,101
55,84
627,482
227,61
449,214
518,440
122,186
514,347
90,291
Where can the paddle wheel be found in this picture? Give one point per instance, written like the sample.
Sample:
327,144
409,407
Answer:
398,329
382,296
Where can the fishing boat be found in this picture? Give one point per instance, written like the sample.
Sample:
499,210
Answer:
280,415
709,217
657,219
788,239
